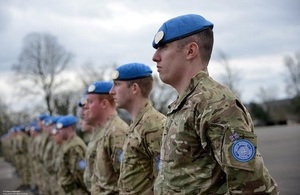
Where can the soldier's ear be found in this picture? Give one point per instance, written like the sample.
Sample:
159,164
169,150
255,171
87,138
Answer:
192,50
135,88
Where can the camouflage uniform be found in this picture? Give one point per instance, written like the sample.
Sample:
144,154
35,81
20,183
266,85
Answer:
21,157
43,180
141,152
90,157
50,158
35,160
86,137
30,162
197,155
107,164
70,173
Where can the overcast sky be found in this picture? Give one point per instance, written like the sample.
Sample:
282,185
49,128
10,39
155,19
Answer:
255,35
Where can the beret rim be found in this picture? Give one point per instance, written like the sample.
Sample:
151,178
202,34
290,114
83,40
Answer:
132,78
162,42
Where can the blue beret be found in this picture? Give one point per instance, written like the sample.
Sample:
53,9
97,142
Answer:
180,27
65,121
20,128
99,87
43,116
132,71
35,127
50,120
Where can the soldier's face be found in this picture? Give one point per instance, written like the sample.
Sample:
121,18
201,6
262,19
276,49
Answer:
57,138
171,61
121,94
92,109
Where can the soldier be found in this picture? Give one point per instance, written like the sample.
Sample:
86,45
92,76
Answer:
50,157
21,157
141,151
86,129
209,145
107,141
35,136
71,158
43,186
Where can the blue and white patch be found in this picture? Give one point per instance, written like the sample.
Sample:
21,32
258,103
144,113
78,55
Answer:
158,163
81,164
120,152
243,150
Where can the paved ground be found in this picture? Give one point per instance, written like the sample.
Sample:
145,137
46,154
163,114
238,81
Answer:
9,181
279,146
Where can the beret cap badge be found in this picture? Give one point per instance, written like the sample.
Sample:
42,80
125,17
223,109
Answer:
91,88
59,125
158,37
115,74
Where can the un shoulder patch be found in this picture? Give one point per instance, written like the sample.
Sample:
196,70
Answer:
243,150
120,156
81,164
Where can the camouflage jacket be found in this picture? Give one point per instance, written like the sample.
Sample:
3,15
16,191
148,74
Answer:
70,173
141,151
107,164
209,146
90,157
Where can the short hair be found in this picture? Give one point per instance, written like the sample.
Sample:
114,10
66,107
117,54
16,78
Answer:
108,97
145,84
205,41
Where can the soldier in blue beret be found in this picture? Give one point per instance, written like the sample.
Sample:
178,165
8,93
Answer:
209,145
133,84
20,148
50,156
71,159
44,120
105,146
86,129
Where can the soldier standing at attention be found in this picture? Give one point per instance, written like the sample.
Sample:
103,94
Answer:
35,134
209,145
105,147
43,186
141,151
86,129
71,158
21,156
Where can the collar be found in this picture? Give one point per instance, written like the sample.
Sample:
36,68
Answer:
195,81
141,113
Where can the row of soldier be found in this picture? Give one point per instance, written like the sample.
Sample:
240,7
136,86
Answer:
96,163
205,144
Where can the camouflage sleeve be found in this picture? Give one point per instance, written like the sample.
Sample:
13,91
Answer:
69,170
77,164
153,145
233,143
115,148
47,158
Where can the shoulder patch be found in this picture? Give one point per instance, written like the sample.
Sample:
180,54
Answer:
243,150
81,164
120,153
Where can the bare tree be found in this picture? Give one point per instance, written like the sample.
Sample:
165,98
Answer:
266,95
90,73
5,118
40,62
66,102
162,95
232,77
293,82
292,75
